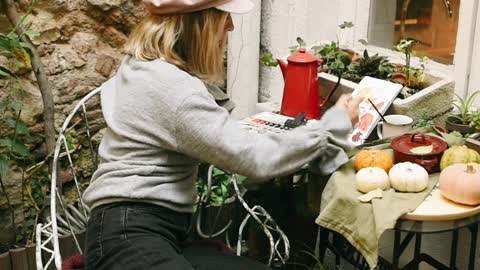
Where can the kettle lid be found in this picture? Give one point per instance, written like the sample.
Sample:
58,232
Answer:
302,56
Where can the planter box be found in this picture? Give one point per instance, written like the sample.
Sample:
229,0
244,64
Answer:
436,99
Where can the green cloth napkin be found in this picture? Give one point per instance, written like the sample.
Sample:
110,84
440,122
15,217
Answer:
362,224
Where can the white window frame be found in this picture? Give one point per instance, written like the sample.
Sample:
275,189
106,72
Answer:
467,48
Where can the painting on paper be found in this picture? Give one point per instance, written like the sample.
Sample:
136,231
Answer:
381,93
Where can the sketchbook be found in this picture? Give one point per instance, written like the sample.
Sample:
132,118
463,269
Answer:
382,93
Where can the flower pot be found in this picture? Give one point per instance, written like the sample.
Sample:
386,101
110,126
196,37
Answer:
452,124
68,246
19,259
30,250
5,261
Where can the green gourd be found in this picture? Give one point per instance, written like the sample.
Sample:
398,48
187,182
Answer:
459,155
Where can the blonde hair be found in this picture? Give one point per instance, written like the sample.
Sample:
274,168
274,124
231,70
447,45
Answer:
189,41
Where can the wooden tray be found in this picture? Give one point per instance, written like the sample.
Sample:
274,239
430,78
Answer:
437,208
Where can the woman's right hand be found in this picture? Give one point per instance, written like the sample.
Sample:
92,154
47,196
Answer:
351,106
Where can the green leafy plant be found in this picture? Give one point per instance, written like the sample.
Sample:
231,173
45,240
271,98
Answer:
474,119
412,77
456,134
424,120
345,25
268,60
221,189
334,58
14,133
300,44
464,107
374,66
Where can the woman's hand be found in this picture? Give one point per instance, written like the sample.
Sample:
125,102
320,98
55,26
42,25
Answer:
351,105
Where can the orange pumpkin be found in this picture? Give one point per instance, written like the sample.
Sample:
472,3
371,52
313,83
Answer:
373,158
461,183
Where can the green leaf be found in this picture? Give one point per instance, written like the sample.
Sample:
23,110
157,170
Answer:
3,106
241,179
301,42
16,106
5,42
294,49
26,45
31,33
29,222
6,142
10,121
22,128
268,60
363,42
217,172
6,72
3,165
224,190
19,148
15,146
19,124
365,54
346,24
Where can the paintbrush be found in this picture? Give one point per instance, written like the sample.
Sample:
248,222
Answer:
379,113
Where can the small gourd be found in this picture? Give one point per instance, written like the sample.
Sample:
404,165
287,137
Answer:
459,154
373,158
408,177
461,183
368,179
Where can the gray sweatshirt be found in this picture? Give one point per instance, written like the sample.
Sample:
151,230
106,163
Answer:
162,121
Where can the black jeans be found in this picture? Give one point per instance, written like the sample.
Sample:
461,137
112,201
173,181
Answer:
141,236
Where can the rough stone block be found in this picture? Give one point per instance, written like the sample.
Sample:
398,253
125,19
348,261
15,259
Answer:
106,4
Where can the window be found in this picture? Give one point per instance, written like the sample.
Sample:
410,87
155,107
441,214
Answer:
432,23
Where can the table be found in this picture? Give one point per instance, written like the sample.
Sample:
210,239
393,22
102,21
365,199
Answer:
434,215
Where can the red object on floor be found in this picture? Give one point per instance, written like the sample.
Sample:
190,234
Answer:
74,262
217,244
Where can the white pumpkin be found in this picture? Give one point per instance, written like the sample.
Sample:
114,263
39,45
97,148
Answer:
408,177
371,178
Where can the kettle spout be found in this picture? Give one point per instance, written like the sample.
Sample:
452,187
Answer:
283,67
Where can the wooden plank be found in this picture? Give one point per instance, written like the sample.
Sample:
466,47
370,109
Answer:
5,262
19,259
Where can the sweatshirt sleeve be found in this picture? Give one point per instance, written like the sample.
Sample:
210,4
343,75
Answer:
206,132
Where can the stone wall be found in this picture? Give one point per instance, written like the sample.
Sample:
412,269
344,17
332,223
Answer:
80,45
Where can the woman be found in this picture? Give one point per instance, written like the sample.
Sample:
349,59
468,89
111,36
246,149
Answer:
162,121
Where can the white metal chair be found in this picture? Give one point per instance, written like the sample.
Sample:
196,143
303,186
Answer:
66,218
278,240
70,218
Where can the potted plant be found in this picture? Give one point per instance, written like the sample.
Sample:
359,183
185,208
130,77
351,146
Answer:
215,193
464,120
422,89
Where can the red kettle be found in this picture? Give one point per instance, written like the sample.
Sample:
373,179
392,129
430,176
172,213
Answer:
301,93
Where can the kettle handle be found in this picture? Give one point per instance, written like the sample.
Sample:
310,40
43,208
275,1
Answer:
331,91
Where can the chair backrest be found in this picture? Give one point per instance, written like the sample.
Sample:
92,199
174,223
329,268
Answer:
68,214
